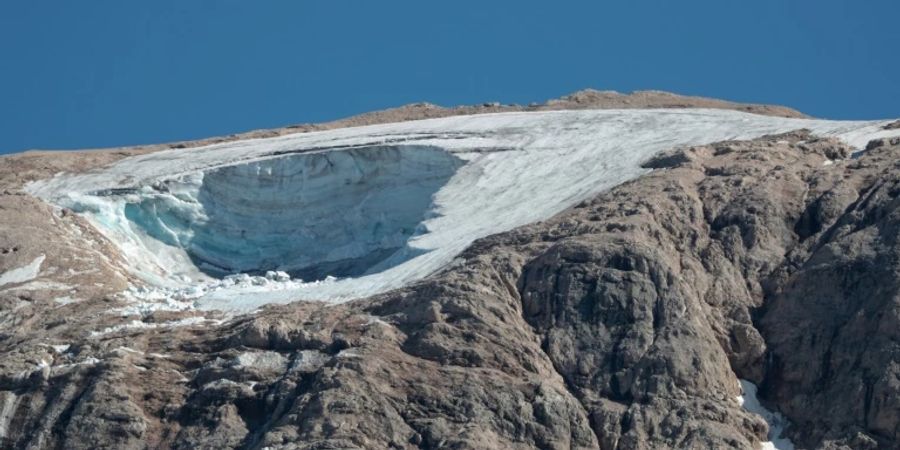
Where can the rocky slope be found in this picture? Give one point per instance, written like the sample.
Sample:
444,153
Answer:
624,322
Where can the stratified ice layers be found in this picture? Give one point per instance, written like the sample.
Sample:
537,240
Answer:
335,213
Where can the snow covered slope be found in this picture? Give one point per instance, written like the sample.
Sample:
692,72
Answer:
358,211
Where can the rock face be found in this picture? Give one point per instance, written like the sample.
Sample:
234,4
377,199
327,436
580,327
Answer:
622,323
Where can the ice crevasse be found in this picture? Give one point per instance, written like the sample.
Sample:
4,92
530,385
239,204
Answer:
357,211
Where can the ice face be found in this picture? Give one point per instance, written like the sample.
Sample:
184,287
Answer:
312,215
378,206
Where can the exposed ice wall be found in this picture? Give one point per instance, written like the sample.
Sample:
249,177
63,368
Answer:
380,205
332,213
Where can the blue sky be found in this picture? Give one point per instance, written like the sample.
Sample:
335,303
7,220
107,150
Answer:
103,73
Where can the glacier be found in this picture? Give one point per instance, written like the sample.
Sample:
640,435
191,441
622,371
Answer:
353,212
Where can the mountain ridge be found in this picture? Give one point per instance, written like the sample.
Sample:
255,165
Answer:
628,320
582,99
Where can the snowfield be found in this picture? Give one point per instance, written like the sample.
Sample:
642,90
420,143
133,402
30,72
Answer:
352,212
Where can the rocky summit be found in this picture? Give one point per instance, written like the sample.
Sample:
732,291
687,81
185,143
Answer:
601,271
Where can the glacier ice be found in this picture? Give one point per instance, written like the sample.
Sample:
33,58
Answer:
356,211
313,215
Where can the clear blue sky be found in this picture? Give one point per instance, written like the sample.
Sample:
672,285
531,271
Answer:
76,74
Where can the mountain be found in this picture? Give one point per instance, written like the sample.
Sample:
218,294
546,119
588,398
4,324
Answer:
600,271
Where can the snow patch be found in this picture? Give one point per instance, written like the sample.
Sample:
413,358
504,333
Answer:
266,360
348,353
225,384
89,361
307,361
66,300
776,421
42,285
62,348
23,274
128,350
144,300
